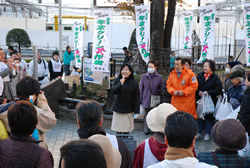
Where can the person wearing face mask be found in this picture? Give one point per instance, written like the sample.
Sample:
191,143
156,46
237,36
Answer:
182,85
151,83
126,102
230,68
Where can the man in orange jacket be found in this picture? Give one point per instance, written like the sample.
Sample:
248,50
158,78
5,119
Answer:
182,85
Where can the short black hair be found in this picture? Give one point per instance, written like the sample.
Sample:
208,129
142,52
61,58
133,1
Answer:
152,62
27,86
22,117
82,153
211,64
182,60
1,99
18,52
124,48
55,53
11,48
67,47
180,129
188,61
89,113
130,69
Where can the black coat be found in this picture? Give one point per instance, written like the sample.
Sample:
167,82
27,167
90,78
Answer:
127,98
245,111
54,75
213,86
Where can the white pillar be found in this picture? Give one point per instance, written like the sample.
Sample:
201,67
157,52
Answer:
35,62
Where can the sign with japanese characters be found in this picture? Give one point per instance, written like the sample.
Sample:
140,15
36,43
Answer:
247,31
89,75
188,26
207,15
143,30
102,41
78,43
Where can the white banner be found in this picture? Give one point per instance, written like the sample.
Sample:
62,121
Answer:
247,31
102,41
143,30
207,17
78,43
188,29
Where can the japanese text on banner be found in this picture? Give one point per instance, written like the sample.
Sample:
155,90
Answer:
78,43
143,30
188,26
207,14
247,31
102,41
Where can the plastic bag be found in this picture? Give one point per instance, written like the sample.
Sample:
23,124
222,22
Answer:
199,109
1,86
208,104
246,150
224,109
217,105
233,114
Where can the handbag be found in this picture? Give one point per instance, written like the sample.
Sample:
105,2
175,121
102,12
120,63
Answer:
155,99
199,109
208,105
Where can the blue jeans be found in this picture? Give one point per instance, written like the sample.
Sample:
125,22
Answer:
208,125
66,70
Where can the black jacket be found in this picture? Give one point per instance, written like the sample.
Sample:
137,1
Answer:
213,86
127,98
245,111
54,75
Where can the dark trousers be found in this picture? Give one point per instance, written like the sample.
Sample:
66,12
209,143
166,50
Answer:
66,70
146,129
208,125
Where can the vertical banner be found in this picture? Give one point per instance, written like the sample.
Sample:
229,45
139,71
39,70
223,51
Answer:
143,30
247,31
188,27
78,43
207,16
102,41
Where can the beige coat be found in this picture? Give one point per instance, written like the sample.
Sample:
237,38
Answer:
46,119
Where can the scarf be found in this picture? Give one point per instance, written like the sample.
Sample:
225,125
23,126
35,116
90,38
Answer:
56,66
207,75
86,132
178,153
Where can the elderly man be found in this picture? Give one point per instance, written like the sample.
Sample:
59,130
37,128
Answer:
182,85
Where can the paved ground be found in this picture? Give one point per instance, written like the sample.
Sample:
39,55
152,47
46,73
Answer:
66,131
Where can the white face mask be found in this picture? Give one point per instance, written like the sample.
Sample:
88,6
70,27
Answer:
151,70
227,71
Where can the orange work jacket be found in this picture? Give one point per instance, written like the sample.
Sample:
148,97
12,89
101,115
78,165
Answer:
188,84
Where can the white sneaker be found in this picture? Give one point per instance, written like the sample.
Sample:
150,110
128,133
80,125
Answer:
198,136
206,137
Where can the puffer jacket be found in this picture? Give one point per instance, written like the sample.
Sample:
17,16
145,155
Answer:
245,111
236,94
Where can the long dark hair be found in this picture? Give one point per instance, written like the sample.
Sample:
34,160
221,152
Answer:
130,69
89,115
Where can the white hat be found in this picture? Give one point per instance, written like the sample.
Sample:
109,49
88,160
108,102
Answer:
112,156
156,118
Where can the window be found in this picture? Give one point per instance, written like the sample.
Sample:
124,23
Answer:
49,28
67,28
56,1
4,9
40,1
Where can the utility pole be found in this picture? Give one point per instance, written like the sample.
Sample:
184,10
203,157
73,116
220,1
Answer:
60,29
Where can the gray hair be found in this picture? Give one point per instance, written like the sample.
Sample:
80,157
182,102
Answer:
240,78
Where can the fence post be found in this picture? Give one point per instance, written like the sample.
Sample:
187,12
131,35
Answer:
229,52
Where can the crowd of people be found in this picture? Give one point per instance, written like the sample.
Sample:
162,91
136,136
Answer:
25,117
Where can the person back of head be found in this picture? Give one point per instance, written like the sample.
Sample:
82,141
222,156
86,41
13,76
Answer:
82,153
22,118
89,117
27,86
180,130
10,48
